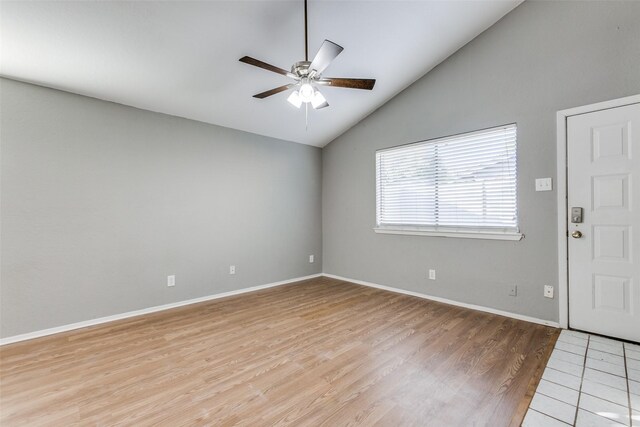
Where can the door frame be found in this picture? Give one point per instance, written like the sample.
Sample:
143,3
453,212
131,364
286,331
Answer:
562,190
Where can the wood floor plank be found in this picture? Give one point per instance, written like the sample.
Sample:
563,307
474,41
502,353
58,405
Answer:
319,352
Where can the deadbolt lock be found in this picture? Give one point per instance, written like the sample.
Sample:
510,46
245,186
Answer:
576,215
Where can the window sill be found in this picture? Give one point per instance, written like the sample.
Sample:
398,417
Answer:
488,235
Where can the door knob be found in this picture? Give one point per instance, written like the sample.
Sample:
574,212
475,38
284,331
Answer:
576,234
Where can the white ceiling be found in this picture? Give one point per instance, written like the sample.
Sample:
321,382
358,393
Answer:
181,58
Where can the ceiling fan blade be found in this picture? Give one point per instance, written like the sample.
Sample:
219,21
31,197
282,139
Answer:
273,91
327,53
260,64
366,84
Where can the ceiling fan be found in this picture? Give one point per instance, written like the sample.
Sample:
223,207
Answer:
308,74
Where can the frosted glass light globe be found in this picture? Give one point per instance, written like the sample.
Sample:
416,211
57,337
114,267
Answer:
306,92
294,99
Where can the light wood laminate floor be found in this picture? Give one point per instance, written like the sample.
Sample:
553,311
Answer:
320,352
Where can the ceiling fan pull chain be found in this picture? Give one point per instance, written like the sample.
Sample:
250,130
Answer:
306,116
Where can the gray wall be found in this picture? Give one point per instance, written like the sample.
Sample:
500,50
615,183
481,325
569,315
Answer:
540,58
100,202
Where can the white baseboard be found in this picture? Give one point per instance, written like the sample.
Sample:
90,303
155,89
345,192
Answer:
101,320
447,301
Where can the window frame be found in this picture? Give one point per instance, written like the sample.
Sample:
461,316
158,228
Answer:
489,233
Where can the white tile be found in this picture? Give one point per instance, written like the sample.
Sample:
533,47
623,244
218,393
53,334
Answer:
608,341
561,378
566,367
567,357
587,419
558,392
571,348
572,340
633,374
576,334
538,419
634,347
605,392
613,349
633,364
606,367
554,408
606,379
631,354
634,387
604,408
635,402
635,417
605,357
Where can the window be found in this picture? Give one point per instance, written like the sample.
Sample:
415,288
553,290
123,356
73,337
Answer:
460,186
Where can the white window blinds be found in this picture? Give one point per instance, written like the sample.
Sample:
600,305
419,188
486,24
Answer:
461,183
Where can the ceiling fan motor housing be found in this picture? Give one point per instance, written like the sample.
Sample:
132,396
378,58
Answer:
301,68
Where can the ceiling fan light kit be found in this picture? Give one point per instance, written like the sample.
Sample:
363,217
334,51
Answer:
306,91
295,99
318,101
308,75
307,94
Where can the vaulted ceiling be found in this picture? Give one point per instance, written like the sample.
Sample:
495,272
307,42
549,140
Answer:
181,57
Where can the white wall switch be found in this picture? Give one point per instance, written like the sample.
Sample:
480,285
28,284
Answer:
548,291
232,269
432,275
311,259
171,280
544,184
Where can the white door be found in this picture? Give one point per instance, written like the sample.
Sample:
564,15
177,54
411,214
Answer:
603,178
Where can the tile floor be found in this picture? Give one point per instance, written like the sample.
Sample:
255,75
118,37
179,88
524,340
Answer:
589,381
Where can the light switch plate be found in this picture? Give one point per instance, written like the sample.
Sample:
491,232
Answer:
544,184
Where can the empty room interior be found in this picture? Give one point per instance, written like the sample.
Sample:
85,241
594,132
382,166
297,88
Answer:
320,213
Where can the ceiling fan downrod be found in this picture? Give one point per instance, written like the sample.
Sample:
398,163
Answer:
306,37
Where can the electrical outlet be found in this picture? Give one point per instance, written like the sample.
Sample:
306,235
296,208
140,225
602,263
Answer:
311,259
232,269
171,280
432,274
548,291
513,290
